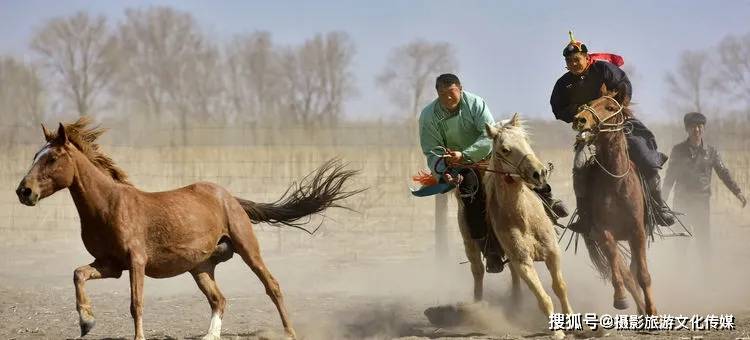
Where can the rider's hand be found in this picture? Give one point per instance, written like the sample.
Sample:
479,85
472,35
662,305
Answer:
742,199
453,180
454,157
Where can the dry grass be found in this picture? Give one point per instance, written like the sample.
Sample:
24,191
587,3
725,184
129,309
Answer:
263,173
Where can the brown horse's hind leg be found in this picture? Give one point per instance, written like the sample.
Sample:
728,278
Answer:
246,245
638,249
475,257
609,246
204,277
82,274
633,288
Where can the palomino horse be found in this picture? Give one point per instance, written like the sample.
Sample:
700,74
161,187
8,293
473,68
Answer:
617,203
163,234
517,215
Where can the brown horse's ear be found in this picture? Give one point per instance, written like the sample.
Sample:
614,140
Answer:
62,137
47,133
515,120
625,101
491,130
603,90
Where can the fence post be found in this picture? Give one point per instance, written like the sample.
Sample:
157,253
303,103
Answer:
441,221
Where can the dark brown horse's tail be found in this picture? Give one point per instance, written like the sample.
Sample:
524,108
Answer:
318,191
598,257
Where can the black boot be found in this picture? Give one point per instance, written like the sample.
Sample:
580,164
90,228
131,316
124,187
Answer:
583,223
664,216
555,208
493,253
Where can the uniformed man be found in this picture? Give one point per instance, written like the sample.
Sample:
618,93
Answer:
691,165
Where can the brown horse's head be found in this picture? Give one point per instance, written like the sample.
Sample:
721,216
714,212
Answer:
601,113
51,170
512,153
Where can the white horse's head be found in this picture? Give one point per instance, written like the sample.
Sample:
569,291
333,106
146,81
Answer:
512,153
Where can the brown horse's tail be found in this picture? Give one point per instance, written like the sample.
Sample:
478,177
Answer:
318,191
599,258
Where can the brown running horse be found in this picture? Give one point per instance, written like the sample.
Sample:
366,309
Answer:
163,234
617,202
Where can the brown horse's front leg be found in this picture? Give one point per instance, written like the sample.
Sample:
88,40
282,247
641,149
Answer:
92,271
137,274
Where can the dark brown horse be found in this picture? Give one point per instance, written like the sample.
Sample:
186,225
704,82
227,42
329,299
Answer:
617,202
163,234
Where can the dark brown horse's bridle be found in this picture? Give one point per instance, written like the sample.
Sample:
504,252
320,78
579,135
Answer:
603,126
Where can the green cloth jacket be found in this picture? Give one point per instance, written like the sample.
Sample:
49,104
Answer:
463,130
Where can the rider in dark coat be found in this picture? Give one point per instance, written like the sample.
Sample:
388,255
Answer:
582,84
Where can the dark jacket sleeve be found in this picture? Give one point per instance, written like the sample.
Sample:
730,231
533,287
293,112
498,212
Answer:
672,168
616,79
560,103
723,172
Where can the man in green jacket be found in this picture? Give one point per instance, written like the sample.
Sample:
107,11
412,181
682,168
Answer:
455,121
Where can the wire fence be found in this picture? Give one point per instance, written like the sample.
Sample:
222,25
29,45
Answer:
262,172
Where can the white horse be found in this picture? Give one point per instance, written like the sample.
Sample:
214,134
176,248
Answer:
517,216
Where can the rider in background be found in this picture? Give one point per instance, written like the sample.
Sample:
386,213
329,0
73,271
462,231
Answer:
456,121
582,84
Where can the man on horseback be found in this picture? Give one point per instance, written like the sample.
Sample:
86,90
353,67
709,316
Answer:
452,134
690,167
582,84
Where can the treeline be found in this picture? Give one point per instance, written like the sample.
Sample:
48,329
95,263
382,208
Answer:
157,67
714,80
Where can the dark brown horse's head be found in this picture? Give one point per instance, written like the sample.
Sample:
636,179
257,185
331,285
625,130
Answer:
600,114
512,153
52,169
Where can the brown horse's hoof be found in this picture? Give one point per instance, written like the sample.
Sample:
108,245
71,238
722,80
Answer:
86,326
621,304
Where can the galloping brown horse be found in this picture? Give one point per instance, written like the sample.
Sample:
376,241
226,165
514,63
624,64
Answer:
617,202
163,234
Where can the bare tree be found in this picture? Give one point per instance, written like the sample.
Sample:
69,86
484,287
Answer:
253,76
21,97
317,77
689,85
409,74
169,68
734,70
79,51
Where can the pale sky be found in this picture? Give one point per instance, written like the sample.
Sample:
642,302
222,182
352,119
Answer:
509,52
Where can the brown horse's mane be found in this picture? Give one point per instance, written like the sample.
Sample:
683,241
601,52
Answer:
83,137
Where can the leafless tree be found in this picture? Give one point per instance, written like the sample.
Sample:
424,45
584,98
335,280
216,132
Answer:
168,67
21,97
409,74
689,85
734,70
253,76
316,77
79,52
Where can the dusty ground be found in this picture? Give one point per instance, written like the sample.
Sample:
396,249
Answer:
356,286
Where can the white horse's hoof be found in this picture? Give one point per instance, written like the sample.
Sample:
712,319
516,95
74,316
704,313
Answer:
211,337
558,335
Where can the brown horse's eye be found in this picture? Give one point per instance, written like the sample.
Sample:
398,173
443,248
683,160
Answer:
611,108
